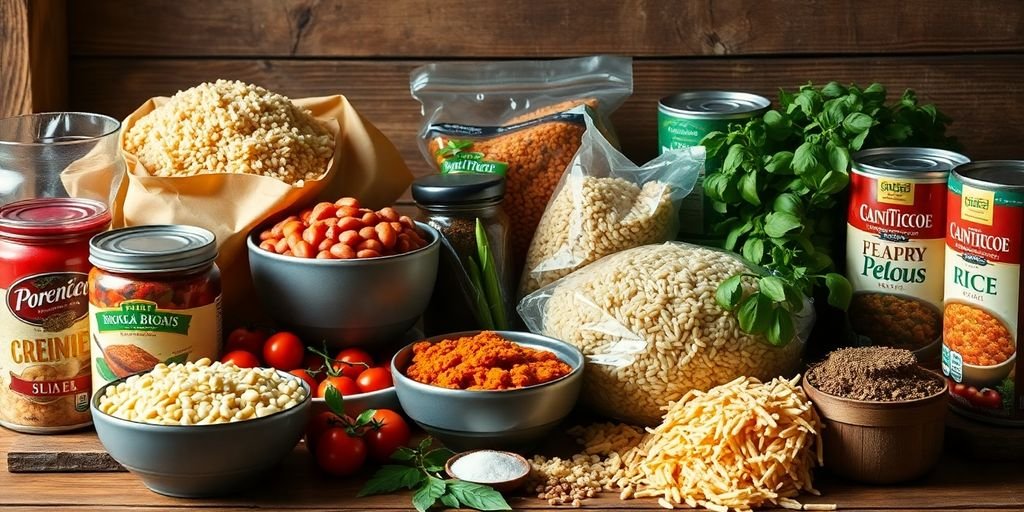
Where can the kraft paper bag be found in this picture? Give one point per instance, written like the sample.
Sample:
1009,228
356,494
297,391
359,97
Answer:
365,165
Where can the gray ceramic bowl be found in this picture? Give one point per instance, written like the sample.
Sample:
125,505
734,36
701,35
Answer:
490,419
346,302
355,404
200,460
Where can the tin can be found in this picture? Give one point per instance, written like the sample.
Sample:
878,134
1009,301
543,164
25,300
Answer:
44,327
895,246
683,120
154,297
982,315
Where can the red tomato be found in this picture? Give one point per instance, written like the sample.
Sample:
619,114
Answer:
243,338
989,399
284,351
388,433
358,360
959,389
317,425
305,376
343,384
241,358
314,363
374,379
338,453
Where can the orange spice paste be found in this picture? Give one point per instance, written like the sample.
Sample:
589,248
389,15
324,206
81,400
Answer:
483,362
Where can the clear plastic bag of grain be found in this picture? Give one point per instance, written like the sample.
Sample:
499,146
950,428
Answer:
647,321
604,204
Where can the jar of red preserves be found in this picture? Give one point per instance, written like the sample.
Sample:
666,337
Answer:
44,326
154,297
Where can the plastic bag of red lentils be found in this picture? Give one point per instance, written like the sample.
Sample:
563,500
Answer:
521,119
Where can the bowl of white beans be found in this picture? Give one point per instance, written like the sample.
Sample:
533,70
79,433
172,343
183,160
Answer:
201,428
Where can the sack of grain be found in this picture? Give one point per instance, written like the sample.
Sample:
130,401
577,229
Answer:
647,320
604,204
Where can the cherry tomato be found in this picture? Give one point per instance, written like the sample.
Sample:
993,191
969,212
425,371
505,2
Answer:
343,384
241,358
374,379
284,351
338,453
358,361
989,399
392,433
959,389
315,364
243,338
305,376
317,425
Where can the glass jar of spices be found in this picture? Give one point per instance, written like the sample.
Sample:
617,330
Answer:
473,289
154,297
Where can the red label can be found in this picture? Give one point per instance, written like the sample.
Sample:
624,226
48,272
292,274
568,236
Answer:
45,377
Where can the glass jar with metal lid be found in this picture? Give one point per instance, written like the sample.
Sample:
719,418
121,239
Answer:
44,331
453,204
154,297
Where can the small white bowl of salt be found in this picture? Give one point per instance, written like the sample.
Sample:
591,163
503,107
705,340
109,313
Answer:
503,471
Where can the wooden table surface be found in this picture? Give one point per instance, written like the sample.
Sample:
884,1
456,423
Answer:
958,484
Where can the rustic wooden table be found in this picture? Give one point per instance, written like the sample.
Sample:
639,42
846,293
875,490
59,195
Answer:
958,484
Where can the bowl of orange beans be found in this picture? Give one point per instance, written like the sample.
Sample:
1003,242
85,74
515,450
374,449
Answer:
344,273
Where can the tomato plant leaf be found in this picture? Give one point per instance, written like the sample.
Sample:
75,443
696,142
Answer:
730,292
773,287
391,478
839,290
334,401
480,497
428,494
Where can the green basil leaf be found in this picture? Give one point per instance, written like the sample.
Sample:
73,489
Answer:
833,181
480,497
897,132
858,141
748,188
857,122
403,454
734,158
731,238
833,90
754,313
438,457
788,203
773,287
780,330
805,159
875,92
839,290
450,500
795,298
425,444
715,185
780,163
833,113
838,158
713,143
428,495
772,119
391,478
753,250
778,224
335,402
756,133
730,292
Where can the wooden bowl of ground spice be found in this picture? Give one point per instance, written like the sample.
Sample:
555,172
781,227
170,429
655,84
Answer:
884,414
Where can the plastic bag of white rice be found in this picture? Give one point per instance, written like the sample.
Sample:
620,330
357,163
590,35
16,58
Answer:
647,321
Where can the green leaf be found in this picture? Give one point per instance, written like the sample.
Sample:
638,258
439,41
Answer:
427,496
730,292
365,417
715,186
734,158
778,224
391,478
753,250
437,457
756,134
104,370
778,127
403,454
754,313
838,158
780,163
833,181
773,287
719,207
484,318
833,90
748,188
490,281
425,444
839,290
178,359
450,500
858,141
334,400
780,330
788,203
713,143
833,114
805,159
794,297
480,497
897,132
875,92
857,122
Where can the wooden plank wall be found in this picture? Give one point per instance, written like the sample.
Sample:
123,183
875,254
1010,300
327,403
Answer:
967,56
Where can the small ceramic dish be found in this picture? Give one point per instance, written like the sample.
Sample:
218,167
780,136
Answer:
500,486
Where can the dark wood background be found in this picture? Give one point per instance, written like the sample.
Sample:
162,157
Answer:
965,56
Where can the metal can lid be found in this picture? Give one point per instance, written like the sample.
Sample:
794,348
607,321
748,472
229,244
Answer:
897,162
52,217
157,248
714,104
463,189
992,174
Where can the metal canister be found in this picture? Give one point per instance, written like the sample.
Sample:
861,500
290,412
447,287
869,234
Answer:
683,120
895,246
982,322
154,297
